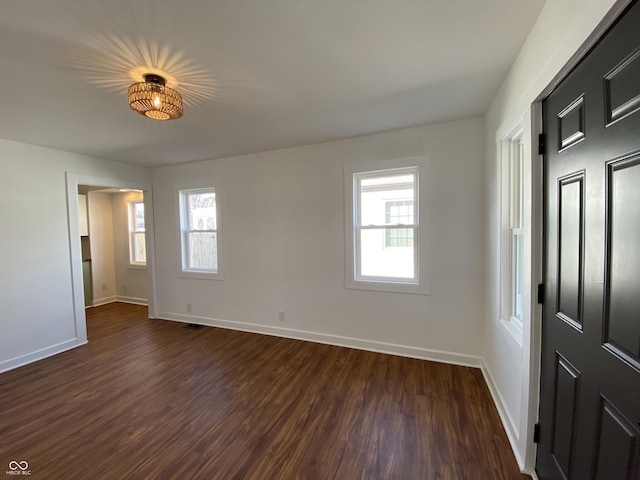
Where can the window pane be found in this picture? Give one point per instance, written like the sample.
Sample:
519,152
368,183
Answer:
378,261
387,199
139,248
138,223
202,211
517,276
202,248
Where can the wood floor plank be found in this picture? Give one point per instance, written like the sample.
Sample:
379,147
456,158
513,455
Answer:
150,399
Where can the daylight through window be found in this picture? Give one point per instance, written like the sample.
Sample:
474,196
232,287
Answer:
199,230
512,235
385,226
137,247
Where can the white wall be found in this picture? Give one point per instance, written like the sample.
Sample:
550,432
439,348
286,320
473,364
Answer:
103,272
283,240
131,281
36,303
561,29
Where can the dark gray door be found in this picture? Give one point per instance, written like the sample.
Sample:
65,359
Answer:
590,384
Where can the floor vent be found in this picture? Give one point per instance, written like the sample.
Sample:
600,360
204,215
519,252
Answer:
193,326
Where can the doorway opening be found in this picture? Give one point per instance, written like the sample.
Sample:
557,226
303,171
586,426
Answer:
111,241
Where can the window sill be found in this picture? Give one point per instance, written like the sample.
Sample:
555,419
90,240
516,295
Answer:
415,289
201,275
514,328
133,266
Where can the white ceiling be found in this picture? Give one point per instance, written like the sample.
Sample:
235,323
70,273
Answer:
255,75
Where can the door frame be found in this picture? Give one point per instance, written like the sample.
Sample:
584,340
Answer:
537,227
72,182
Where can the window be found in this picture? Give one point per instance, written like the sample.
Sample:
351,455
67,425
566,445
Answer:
137,248
385,238
512,231
200,232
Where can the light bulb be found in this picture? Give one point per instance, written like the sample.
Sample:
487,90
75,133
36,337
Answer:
156,101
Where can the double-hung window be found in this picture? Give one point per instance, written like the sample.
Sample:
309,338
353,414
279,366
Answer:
200,232
137,248
513,157
386,248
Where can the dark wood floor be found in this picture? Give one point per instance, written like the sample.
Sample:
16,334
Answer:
149,399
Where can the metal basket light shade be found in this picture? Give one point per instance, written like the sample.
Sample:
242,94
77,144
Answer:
153,99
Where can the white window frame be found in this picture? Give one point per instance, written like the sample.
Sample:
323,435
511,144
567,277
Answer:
132,229
209,274
353,280
512,149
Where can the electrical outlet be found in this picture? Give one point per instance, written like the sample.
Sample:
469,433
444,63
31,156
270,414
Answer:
189,307
104,286
281,315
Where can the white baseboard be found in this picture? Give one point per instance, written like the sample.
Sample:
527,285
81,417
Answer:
16,362
103,301
509,425
360,344
133,300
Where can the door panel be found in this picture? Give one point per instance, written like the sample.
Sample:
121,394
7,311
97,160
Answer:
571,124
570,248
622,92
615,429
590,375
565,415
623,265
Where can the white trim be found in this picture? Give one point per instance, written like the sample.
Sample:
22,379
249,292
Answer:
41,354
75,254
121,299
149,223
328,339
103,301
515,329
200,275
132,300
530,400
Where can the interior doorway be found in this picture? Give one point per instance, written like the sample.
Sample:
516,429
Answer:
103,263
112,238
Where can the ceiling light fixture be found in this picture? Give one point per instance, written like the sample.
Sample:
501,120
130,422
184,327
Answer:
153,99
